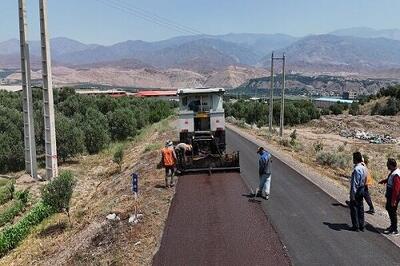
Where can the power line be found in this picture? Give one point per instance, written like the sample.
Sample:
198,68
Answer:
131,11
159,18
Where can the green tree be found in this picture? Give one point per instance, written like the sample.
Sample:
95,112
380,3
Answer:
122,124
58,192
95,128
70,138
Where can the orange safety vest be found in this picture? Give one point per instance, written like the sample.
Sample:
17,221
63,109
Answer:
368,178
168,156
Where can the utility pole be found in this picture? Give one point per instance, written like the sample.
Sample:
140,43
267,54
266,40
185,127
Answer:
271,99
48,101
27,105
283,96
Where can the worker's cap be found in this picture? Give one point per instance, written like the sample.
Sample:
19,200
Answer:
169,143
260,149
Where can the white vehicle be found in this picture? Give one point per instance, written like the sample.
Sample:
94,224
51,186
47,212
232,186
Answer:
201,112
202,124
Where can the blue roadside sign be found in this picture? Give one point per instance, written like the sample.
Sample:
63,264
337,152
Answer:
135,183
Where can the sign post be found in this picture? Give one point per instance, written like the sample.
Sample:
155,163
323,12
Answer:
135,189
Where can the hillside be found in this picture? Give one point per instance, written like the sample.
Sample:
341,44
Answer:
341,53
317,85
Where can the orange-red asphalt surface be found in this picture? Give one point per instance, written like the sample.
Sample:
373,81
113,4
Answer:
211,222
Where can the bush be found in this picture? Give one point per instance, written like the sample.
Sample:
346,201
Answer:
11,236
293,138
7,192
284,142
337,109
337,160
354,109
119,156
58,192
318,146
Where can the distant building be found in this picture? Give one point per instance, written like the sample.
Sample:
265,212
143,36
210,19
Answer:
167,95
349,95
325,102
94,92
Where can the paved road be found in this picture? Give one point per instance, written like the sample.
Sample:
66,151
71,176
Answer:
315,231
211,223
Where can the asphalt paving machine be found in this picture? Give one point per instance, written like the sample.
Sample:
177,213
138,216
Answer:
202,125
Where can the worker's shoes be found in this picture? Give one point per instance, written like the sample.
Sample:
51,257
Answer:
259,194
390,231
355,229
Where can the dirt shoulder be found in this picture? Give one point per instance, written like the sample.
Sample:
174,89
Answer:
332,181
89,238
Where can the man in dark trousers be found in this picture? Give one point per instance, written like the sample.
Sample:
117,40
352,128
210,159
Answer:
392,195
357,193
264,169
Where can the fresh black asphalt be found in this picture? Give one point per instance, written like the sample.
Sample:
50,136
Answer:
314,227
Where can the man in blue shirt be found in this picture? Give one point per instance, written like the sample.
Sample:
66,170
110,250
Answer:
357,184
264,171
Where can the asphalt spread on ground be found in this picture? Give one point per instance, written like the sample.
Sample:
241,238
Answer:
212,222
314,227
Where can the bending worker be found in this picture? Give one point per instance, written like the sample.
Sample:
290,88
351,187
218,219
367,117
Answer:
181,150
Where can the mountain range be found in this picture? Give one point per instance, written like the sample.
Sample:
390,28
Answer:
352,51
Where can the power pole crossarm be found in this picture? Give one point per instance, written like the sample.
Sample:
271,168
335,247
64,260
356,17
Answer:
27,105
49,120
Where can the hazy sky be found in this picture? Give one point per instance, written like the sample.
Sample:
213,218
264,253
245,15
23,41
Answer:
110,21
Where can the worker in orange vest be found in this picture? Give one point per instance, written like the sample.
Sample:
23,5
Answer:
169,161
368,183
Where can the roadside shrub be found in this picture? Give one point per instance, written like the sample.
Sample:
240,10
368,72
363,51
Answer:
7,192
318,146
284,142
337,109
341,148
336,160
119,156
57,193
293,138
11,236
354,109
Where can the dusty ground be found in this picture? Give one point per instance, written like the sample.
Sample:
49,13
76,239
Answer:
90,239
326,132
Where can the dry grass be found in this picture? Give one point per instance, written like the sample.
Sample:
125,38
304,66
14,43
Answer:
90,239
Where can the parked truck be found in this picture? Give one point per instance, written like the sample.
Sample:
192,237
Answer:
202,125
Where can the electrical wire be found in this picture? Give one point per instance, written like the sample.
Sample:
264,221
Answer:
150,18
159,18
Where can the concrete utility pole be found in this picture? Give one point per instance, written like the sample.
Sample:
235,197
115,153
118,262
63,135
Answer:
282,122
271,99
49,120
29,131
